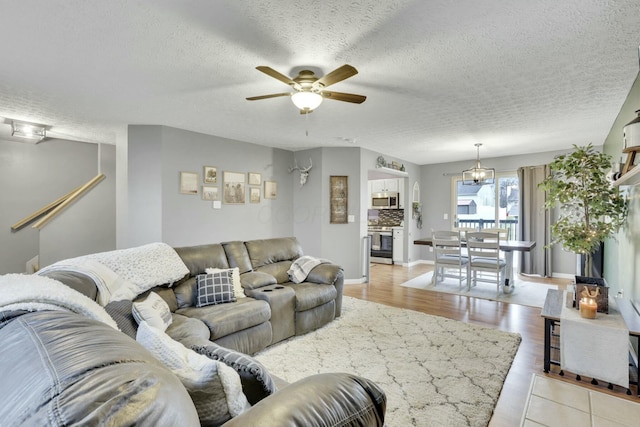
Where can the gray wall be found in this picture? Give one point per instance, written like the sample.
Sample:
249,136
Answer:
34,175
622,254
157,210
436,198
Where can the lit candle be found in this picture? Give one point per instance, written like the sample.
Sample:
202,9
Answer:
588,308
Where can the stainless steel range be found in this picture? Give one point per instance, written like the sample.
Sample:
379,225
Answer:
381,244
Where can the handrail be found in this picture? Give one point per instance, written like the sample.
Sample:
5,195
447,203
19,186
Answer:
18,225
70,199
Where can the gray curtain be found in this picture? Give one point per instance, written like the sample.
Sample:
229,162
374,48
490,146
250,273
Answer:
534,221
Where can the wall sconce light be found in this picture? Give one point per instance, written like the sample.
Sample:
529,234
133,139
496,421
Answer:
28,131
478,175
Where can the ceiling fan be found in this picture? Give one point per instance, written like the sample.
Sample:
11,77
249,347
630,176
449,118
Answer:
309,89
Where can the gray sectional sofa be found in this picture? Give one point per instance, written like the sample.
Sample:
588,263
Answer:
65,369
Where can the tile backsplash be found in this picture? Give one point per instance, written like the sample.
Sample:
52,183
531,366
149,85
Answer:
387,217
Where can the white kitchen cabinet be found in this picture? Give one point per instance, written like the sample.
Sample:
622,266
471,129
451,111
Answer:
398,245
401,193
384,186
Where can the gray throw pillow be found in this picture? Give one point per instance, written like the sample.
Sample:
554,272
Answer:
120,311
214,288
256,381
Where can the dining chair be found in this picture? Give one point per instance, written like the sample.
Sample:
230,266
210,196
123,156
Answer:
447,247
505,233
484,257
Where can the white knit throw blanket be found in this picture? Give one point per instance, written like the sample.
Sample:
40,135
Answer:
36,293
126,273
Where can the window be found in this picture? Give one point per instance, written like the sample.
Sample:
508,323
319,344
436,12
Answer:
475,206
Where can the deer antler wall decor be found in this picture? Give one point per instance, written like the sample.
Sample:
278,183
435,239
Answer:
304,172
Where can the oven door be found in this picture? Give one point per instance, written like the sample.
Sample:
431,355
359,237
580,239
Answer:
382,247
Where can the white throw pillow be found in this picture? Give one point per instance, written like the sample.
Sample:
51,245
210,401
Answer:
154,310
207,381
238,291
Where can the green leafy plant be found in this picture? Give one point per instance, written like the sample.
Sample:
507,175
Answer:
591,209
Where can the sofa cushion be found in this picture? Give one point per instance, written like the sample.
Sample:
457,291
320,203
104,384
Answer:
257,279
256,381
185,293
277,269
214,288
188,331
235,277
225,319
198,258
312,295
269,251
154,310
215,388
237,256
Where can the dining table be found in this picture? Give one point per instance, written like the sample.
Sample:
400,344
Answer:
506,246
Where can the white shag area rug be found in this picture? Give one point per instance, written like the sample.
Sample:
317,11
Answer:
435,371
527,293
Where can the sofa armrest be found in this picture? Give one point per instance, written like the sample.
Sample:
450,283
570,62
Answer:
330,274
334,399
256,279
325,274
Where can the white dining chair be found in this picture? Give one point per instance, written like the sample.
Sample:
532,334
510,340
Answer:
449,260
484,257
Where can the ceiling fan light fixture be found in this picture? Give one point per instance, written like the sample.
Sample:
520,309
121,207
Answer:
306,101
478,175
28,131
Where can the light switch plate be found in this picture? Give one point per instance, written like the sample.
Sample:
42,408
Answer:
351,218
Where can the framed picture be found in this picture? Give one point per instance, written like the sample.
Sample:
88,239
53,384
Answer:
210,175
210,193
255,178
270,189
233,191
189,183
338,196
254,194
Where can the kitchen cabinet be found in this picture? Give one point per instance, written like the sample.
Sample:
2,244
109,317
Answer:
384,185
398,245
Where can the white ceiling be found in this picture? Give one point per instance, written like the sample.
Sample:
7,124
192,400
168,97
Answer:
515,75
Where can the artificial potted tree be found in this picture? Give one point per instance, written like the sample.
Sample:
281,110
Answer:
591,208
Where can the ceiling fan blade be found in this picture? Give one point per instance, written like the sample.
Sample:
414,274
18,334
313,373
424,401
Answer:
273,95
336,76
279,76
346,97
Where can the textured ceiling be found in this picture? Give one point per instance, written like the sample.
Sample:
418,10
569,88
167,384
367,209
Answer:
515,75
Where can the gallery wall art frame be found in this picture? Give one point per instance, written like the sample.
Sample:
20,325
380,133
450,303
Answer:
210,193
255,178
189,182
233,188
338,198
270,189
210,174
254,194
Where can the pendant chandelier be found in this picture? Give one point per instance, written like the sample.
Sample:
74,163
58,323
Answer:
478,175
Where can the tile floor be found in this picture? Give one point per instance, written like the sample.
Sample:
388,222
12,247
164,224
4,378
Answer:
554,403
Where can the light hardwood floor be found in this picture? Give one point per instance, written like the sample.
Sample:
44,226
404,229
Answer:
384,287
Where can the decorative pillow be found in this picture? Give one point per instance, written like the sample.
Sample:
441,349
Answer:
256,381
214,288
121,312
214,387
154,310
238,291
